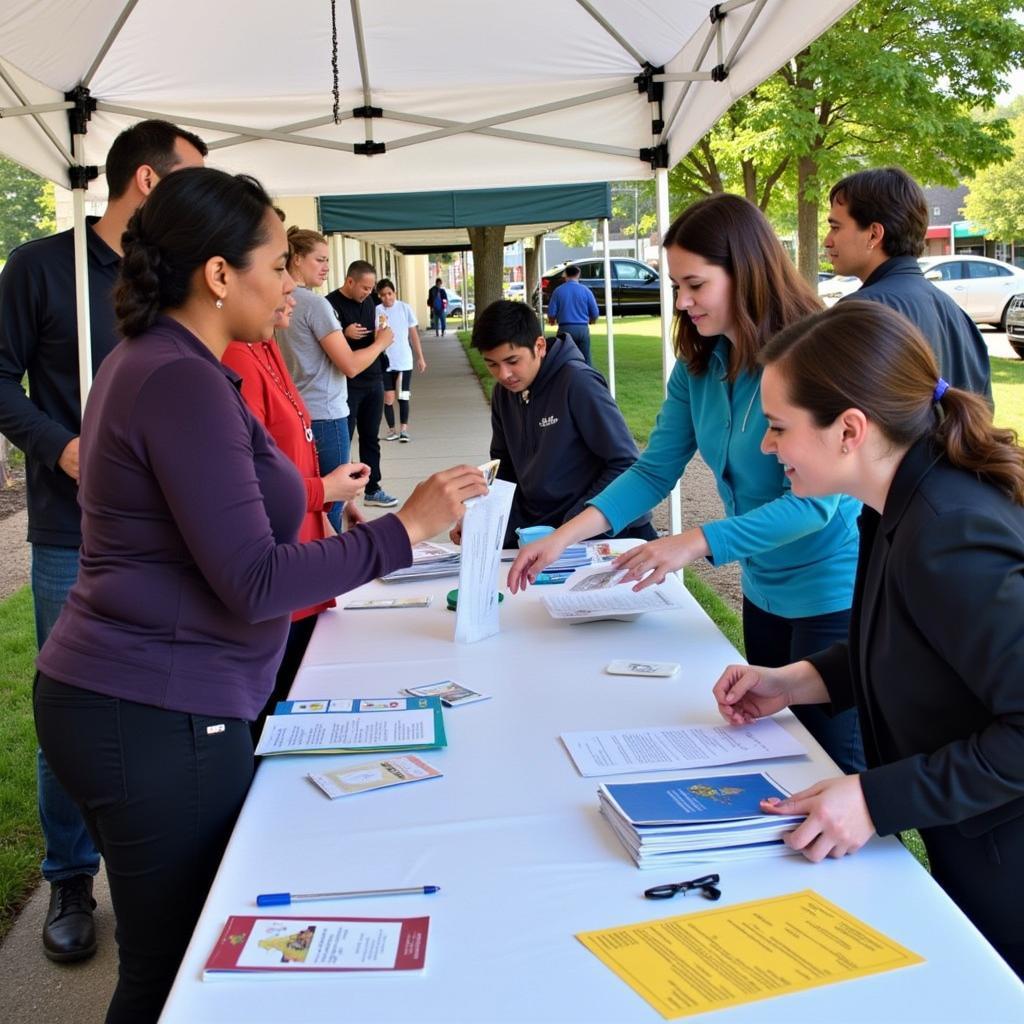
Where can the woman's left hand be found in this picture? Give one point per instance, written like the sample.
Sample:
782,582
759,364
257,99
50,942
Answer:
421,364
837,822
650,563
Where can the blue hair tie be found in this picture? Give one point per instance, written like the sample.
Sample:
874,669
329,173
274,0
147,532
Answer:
940,389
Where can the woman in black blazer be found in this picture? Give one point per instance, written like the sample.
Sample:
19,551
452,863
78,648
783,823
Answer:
935,657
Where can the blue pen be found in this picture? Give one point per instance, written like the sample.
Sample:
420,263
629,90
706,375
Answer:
282,899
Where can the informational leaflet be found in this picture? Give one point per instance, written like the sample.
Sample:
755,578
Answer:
483,532
674,748
597,592
353,725
368,775
288,945
734,955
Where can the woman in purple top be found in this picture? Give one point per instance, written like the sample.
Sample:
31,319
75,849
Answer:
190,567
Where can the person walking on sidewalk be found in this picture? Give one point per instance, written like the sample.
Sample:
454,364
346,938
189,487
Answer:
356,309
398,315
39,338
319,356
437,300
574,308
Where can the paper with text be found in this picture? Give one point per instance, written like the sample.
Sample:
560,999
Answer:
673,748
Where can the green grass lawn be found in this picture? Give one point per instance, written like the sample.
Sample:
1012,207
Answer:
21,846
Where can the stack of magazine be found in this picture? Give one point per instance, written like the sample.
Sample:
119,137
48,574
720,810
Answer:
683,821
429,560
571,559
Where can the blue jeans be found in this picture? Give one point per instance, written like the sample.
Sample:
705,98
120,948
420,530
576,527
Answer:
581,335
440,321
773,641
332,448
70,850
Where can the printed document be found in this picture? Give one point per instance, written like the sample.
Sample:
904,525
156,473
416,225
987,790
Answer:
734,955
674,748
597,592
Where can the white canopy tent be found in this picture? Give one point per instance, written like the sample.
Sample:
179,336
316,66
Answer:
394,96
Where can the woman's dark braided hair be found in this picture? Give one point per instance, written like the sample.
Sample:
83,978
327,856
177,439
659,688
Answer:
191,216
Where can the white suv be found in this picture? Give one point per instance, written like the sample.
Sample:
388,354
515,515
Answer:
981,287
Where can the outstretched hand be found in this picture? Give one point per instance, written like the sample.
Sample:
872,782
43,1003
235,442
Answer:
438,501
747,692
650,563
532,560
838,821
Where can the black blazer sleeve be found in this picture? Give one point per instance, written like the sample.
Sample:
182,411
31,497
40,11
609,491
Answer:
962,576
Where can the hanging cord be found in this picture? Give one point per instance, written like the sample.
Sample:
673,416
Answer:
334,61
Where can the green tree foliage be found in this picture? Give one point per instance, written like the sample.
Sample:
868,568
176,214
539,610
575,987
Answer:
996,196
26,206
577,235
889,83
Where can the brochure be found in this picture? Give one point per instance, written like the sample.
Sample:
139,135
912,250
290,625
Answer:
353,725
359,778
598,592
452,694
271,946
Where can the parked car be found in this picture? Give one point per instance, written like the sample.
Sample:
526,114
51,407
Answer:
635,285
516,291
981,287
1015,324
834,287
455,304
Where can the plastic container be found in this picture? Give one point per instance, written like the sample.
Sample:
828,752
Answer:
528,534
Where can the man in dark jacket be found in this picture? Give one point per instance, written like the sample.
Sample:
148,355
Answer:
876,231
437,300
557,431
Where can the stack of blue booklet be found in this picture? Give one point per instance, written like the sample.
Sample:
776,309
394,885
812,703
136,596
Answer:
571,559
682,821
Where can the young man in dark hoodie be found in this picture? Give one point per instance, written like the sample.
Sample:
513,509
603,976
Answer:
557,431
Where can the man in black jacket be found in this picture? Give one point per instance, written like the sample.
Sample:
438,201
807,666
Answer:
39,338
556,429
876,231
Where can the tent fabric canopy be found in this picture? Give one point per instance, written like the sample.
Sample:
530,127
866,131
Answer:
469,95
424,222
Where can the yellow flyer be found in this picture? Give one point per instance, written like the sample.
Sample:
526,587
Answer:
734,955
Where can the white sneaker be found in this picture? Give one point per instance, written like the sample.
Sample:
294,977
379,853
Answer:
391,437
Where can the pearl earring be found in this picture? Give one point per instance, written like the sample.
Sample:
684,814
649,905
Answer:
845,450
219,303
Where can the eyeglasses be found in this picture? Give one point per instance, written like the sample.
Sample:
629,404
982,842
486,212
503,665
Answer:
707,885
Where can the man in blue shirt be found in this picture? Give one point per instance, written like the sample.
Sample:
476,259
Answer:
574,308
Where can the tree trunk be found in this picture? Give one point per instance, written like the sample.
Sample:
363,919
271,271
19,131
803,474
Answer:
488,263
807,221
533,268
749,181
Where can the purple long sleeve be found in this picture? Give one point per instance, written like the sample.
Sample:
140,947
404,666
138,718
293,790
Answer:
190,565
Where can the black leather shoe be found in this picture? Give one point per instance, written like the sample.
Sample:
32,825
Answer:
69,932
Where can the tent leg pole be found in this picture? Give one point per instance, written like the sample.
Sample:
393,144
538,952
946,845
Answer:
609,319
668,359
82,279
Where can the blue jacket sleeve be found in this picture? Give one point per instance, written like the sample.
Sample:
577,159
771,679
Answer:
773,524
592,306
672,444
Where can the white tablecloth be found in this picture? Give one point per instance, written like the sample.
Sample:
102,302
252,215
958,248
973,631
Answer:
513,836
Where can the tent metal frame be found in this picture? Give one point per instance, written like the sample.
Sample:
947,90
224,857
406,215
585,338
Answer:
649,82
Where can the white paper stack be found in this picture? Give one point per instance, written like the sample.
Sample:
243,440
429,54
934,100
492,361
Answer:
429,560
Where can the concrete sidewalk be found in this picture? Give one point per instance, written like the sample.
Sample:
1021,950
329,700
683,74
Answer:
450,423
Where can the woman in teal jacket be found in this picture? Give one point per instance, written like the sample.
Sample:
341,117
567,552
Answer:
735,289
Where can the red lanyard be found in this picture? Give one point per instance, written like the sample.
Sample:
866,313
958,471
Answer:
267,363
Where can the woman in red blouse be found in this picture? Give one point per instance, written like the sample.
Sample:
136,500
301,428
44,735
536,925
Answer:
269,392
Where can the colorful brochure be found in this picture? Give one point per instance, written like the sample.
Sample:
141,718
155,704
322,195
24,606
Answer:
452,694
305,945
735,955
359,778
353,725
